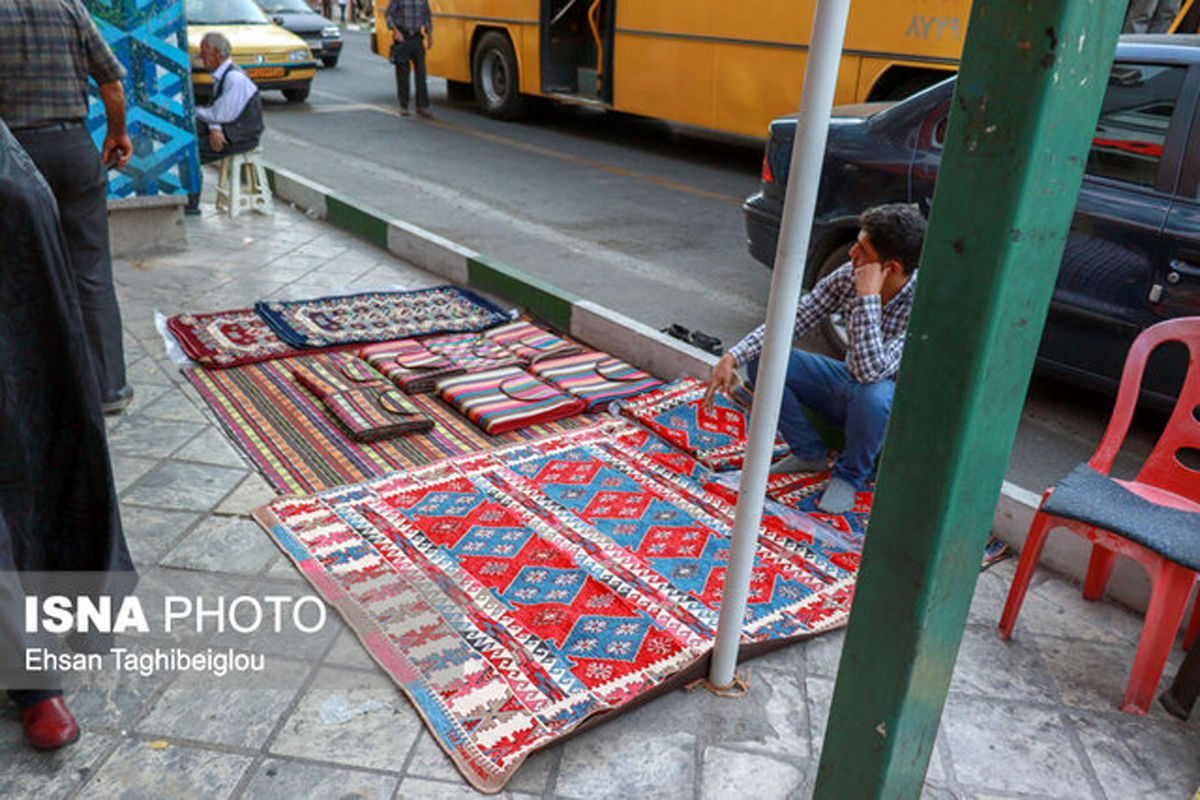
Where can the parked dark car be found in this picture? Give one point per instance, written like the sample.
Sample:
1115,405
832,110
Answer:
1133,253
323,38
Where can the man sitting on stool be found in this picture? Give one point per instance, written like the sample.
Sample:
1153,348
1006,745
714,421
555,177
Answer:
233,122
873,293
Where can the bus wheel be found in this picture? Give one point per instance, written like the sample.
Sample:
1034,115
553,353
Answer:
497,82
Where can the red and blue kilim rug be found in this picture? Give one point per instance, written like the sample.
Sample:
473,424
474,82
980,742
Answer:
515,594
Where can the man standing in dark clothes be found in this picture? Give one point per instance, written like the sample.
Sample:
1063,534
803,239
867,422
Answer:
233,123
48,48
59,520
411,25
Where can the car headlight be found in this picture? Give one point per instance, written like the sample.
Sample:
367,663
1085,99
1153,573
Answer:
330,32
299,55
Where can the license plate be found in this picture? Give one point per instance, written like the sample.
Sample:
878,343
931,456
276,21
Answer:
265,72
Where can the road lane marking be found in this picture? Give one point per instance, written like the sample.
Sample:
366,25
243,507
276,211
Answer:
539,150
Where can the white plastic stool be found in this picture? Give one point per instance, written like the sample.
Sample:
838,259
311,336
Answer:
243,185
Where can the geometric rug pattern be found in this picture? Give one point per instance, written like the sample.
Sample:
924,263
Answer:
515,594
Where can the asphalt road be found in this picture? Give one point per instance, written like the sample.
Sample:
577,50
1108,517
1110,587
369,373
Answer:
631,213
623,211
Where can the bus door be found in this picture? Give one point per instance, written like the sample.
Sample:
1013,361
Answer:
577,39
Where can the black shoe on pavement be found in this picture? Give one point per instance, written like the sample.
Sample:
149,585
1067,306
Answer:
119,403
709,344
677,331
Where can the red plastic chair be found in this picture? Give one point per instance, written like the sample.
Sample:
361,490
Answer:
1154,519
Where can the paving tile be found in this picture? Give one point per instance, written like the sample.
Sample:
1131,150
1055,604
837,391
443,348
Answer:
379,737
138,771
771,719
200,589
282,569
25,772
240,711
173,406
181,485
1011,670
646,755
223,544
1003,746
1140,757
429,761
1093,675
348,651
991,590
1106,615
127,469
1043,617
819,691
137,435
151,531
277,779
437,790
251,493
728,773
111,698
211,447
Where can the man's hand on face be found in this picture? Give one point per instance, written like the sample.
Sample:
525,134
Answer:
723,379
868,278
216,138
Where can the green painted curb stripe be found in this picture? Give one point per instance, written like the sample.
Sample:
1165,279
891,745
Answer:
353,219
271,180
538,297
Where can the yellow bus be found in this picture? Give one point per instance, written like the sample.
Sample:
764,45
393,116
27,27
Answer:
720,65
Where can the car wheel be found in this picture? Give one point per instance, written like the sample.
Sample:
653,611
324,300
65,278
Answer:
330,62
833,327
497,82
296,95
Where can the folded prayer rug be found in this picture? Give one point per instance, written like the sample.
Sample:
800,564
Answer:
595,378
502,400
675,412
227,338
516,594
379,316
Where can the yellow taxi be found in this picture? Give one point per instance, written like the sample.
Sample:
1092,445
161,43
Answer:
272,57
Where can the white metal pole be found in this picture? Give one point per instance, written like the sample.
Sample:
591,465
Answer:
808,154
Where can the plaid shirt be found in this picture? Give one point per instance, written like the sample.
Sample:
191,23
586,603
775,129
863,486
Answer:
876,333
409,15
48,48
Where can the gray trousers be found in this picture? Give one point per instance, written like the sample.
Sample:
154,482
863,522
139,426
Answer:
70,163
1150,16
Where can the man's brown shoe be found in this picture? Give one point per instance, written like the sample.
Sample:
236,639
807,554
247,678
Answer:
424,113
49,725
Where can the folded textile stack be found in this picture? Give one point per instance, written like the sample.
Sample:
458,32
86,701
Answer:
416,364
675,412
502,400
361,399
596,378
529,342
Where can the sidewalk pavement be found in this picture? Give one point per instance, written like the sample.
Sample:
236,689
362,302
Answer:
1035,717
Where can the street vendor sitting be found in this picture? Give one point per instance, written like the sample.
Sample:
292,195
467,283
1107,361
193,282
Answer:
873,293
233,122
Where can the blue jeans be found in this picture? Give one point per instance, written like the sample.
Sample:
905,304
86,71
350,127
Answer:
826,387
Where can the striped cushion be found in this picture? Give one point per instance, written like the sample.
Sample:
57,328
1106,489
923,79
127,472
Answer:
504,399
595,378
360,398
529,342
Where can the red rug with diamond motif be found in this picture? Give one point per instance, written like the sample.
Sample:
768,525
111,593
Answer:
516,594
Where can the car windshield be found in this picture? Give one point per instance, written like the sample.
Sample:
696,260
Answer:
285,6
225,12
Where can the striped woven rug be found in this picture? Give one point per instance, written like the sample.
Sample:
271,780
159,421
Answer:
298,448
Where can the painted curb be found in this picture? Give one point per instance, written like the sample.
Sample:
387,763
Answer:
665,357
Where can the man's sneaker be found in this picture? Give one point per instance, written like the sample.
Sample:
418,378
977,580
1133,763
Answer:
404,111
119,403
424,113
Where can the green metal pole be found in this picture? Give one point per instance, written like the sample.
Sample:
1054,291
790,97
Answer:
1032,77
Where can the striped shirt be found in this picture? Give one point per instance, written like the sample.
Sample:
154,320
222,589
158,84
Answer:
409,15
48,48
876,332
